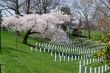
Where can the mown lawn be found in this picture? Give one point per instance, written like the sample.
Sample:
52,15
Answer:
21,59
18,58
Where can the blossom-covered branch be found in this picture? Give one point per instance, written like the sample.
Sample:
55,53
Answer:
45,24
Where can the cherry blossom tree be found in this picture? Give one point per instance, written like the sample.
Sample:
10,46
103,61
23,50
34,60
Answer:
45,24
60,37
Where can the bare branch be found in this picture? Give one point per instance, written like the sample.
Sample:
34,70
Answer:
105,4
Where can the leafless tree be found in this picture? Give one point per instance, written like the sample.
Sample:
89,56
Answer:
86,11
21,7
106,3
29,6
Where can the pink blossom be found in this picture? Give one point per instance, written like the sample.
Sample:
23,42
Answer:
46,24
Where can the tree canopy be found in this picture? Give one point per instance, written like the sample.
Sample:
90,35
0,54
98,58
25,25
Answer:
45,24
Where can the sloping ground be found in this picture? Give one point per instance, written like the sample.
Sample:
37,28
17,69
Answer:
90,43
21,59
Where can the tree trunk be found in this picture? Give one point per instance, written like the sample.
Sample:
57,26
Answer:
45,6
88,27
28,6
17,13
26,37
89,33
17,33
17,8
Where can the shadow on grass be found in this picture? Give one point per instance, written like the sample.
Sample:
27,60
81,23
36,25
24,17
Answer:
18,50
30,45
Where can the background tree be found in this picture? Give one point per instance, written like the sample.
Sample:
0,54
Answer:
0,28
106,3
21,7
103,7
0,17
14,5
104,24
86,11
66,10
44,6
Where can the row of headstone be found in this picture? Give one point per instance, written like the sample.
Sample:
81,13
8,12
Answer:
68,49
90,69
73,46
92,60
62,56
62,46
70,57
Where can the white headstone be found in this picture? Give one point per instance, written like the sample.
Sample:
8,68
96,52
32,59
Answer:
40,49
95,70
51,53
72,58
105,67
36,48
64,58
99,69
31,48
60,58
86,70
68,58
75,57
80,67
55,56
90,69
102,69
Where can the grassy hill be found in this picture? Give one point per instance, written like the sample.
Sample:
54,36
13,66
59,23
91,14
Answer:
21,59
18,58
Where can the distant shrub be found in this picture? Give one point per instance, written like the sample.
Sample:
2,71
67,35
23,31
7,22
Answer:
3,28
106,38
105,53
96,35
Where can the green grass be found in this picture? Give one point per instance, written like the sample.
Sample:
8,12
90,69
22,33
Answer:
96,35
21,59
